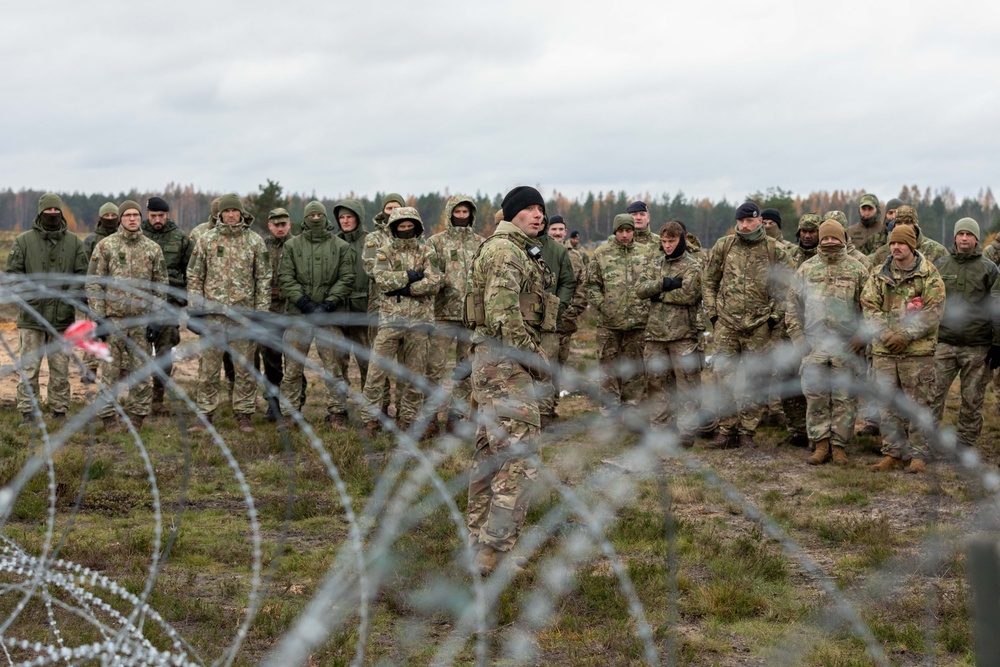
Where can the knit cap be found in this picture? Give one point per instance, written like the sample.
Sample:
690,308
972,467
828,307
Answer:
109,207
904,234
968,225
832,228
623,220
229,201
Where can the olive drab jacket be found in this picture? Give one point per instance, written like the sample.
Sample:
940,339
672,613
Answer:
318,265
968,282
358,302
454,249
176,248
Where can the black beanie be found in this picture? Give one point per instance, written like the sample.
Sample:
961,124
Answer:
771,214
748,209
157,204
519,199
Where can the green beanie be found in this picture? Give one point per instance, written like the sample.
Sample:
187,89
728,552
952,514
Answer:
229,201
968,225
50,200
126,205
392,196
838,216
623,220
893,204
110,207
314,207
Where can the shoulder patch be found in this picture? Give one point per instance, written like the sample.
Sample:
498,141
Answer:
381,256
370,243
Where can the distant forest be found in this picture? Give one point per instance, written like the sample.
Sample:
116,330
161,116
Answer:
592,215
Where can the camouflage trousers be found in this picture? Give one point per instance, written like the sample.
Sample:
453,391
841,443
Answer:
564,341
210,363
784,388
548,385
915,376
732,347
868,406
169,338
409,345
502,474
33,345
673,384
968,362
360,339
829,388
450,334
129,351
300,339
620,353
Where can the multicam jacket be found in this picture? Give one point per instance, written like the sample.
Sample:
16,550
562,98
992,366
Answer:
824,304
929,248
133,261
745,282
373,242
673,315
567,324
229,267
888,306
454,249
614,271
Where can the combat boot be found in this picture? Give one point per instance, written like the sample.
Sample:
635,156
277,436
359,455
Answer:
26,421
723,441
746,440
159,409
839,455
244,423
432,430
372,428
288,424
486,560
916,466
822,453
796,440
869,429
137,421
199,427
888,464
111,424
337,422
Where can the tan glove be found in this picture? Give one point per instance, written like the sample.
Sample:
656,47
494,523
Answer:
895,342
857,345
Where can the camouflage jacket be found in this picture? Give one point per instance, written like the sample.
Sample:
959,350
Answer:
99,234
824,304
929,248
567,324
887,306
744,286
968,306
133,261
176,247
373,242
584,257
992,250
391,263
454,249
275,249
318,265
673,315
199,231
799,255
502,271
229,267
868,239
611,278
646,237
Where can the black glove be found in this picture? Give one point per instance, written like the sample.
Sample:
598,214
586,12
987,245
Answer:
306,305
670,284
414,276
152,332
194,324
993,357
330,306
713,319
462,371
403,291
771,323
102,326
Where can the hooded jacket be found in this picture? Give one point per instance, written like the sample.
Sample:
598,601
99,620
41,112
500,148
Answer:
968,281
318,265
673,315
358,301
454,249
127,257
888,306
614,271
391,278
373,242
52,253
176,248
230,267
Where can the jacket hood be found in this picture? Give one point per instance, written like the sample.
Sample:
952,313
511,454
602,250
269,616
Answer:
352,205
455,201
405,213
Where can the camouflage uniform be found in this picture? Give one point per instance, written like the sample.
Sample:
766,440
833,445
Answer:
568,322
885,303
504,276
132,261
271,357
929,248
614,271
867,237
357,329
101,231
316,277
964,337
671,356
229,269
45,252
406,316
556,257
852,251
824,312
744,298
176,248
454,249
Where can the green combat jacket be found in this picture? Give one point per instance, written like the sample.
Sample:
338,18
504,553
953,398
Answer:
358,303
611,279
968,282
673,315
318,265
176,248
887,304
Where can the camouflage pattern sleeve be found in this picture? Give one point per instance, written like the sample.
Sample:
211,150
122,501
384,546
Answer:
924,323
651,282
196,275
781,275
595,284
501,293
160,276
433,278
386,276
872,297
690,291
794,307
579,302
95,289
262,275
343,287
713,278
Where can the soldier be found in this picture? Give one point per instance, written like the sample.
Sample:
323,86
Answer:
891,207
279,226
509,305
903,303
614,271
807,236
744,300
316,276
771,219
349,213
229,269
208,225
126,266
176,248
640,217
563,286
107,224
823,317
965,338
45,251
929,248
672,283
568,321
870,233
574,243
851,250
406,275
453,249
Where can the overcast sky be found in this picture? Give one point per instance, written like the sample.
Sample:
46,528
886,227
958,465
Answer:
712,98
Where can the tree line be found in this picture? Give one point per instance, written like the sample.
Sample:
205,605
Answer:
590,214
